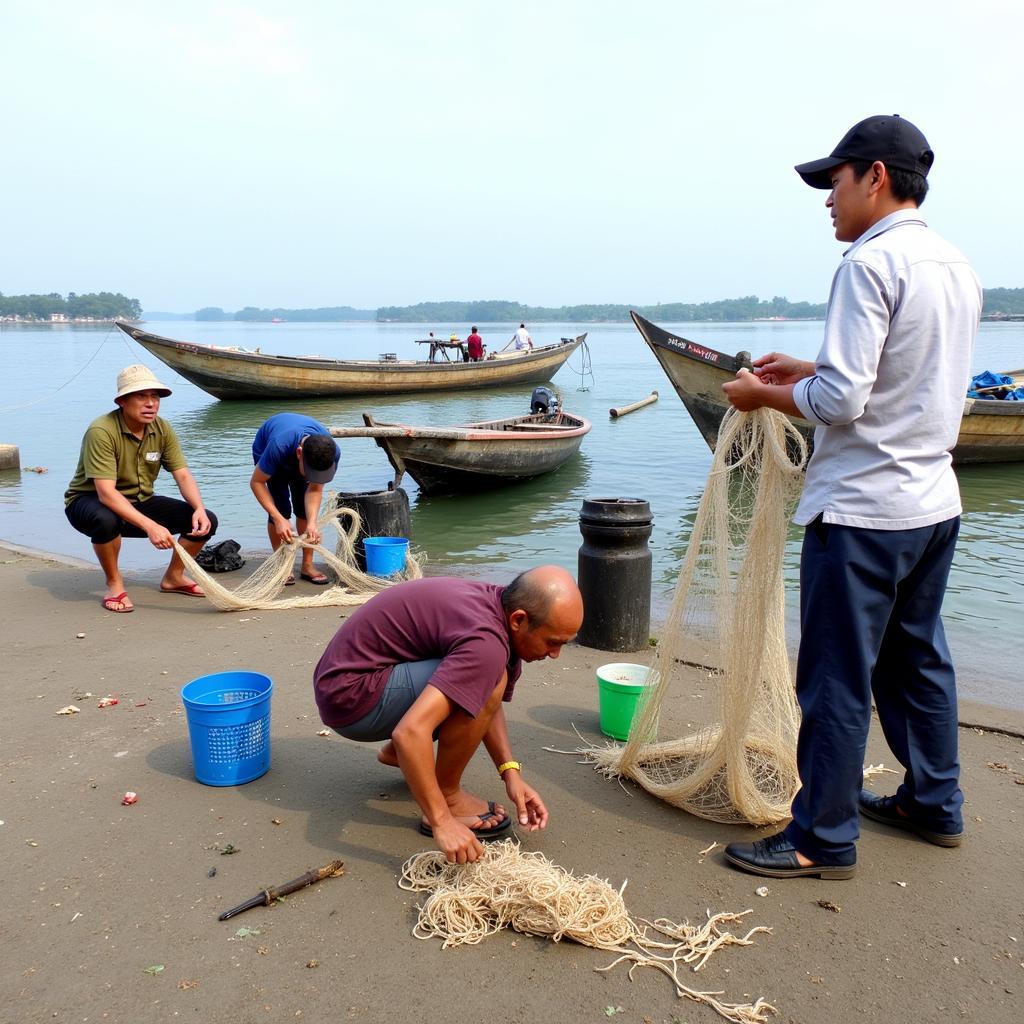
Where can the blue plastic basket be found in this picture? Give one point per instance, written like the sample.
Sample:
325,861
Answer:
229,726
385,556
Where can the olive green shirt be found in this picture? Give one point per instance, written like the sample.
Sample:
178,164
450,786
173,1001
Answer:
110,451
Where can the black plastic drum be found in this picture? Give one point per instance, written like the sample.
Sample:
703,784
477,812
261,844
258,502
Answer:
383,514
615,573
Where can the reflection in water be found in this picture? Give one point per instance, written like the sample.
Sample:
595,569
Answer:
986,583
512,525
995,488
985,593
10,487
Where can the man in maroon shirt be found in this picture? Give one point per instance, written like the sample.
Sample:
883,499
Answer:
434,659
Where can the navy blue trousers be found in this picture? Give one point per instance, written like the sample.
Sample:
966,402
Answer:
869,624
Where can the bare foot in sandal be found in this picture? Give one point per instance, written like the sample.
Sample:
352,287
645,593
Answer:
120,603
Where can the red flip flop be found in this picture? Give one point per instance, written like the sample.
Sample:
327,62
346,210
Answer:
110,602
188,589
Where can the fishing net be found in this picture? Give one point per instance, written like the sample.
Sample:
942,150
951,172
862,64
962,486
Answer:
727,622
527,892
260,590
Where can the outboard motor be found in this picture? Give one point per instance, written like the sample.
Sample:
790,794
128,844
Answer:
544,400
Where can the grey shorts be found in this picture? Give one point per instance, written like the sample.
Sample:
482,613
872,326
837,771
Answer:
405,683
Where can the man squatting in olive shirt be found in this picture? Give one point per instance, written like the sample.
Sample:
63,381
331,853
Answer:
434,659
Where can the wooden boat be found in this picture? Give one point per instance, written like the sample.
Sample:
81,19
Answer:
990,431
475,456
229,373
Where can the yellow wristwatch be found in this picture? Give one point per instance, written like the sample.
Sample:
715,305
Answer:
502,768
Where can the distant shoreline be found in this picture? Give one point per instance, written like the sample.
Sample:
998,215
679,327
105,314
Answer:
78,321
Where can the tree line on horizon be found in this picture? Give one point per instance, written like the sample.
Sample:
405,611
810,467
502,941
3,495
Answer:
95,305
1006,301
505,311
110,305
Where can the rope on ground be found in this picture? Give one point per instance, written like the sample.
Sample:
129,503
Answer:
526,891
259,591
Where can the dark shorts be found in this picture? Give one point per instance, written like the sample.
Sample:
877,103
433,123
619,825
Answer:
287,492
405,683
88,515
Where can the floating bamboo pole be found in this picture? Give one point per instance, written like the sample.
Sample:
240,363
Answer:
625,409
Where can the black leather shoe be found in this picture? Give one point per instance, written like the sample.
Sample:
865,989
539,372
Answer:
884,809
775,856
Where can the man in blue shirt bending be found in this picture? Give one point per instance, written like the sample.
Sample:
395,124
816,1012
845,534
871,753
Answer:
295,456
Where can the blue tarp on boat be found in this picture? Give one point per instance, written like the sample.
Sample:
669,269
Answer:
1003,382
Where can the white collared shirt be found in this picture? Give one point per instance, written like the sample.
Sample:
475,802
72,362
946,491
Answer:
890,380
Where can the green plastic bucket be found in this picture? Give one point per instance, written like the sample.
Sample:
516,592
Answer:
619,686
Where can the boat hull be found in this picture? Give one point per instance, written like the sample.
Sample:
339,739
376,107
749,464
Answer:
990,431
234,374
474,458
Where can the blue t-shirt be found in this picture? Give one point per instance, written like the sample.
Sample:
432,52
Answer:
273,450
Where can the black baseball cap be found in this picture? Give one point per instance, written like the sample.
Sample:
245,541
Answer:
887,137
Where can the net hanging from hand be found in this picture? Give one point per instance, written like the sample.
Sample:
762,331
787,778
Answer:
260,590
728,616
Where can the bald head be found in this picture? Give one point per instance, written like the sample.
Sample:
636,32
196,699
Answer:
544,611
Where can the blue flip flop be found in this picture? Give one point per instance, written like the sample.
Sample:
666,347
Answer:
481,833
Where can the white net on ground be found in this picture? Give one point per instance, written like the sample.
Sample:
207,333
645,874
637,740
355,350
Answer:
260,589
727,615
527,892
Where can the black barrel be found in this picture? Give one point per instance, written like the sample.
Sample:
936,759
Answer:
383,514
615,573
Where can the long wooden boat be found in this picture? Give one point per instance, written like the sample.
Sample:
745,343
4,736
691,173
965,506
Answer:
475,456
990,431
229,373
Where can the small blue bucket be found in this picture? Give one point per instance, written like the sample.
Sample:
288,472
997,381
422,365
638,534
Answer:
385,556
229,726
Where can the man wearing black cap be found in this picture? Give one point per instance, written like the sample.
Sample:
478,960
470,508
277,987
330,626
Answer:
880,505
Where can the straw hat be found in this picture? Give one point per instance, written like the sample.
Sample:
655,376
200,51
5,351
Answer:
139,378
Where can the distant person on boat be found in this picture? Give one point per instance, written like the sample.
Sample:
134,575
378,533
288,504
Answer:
880,507
522,338
295,456
434,659
111,495
475,347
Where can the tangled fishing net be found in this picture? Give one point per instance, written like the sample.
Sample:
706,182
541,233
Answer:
260,590
527,892
727,617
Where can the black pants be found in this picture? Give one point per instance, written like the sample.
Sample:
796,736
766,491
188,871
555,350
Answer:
88,515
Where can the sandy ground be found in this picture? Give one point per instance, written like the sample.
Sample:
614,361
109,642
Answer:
98,895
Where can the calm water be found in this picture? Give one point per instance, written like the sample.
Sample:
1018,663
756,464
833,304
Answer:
56,380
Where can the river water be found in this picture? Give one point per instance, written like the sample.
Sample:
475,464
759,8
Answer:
55,380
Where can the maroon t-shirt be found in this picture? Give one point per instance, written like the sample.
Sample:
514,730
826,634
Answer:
475,345
459,621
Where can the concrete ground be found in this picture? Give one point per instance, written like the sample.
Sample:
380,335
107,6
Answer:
110,911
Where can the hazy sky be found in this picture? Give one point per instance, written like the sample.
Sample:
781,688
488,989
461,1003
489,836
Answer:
328,152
